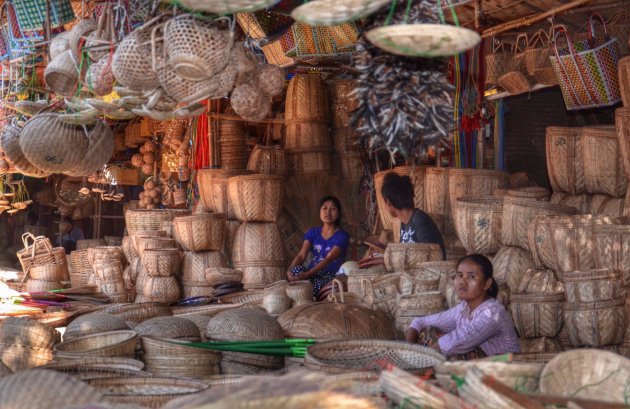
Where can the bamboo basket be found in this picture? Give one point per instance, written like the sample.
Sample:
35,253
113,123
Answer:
56,255
477,182
564,159
539,346
104,253
518,214
161,262
596,324
437,199
192,289
200,232
138,312
607,206
246,324
276,301
87,243
536,193
233,145
300,292
152,243
537,315
445,269
270,160
510,264
478,223
603,166
593,286
356,277
213,190
158,289
421,280
138,220
168,327
93,323
612,248
310,160
306,99
497,62
176,359
242,363
34,286
258,252
622,124
194,265
133,248
302,135
256,198
27,333
216,276
382,293
113,343
46,272
400,256
624,80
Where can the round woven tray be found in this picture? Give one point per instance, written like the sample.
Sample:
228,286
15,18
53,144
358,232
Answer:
333,12
113,343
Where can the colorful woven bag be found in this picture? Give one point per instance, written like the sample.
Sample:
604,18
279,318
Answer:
587,69
31,14
303,40
18,42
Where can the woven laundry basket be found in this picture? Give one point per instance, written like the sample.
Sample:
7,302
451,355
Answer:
169,327
564,159
478,223
537,315
595,324
256,198
200,232
593,286
112,343
510,264
93,323
399,256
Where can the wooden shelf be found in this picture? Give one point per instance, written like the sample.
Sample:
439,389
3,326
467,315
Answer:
505,94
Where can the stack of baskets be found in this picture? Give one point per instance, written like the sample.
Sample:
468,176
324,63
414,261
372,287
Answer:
307,140
44,277
344,138
233,144
25,343
159,284
39,250
107,264
257,249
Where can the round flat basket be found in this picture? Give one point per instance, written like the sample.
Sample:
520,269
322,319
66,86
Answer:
340,356
113,343
333,12
227,6
423,40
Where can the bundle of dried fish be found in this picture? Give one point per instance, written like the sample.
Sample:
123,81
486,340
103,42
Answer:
405,104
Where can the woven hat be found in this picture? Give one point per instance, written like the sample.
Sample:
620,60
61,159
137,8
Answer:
93,324
243,324
169,327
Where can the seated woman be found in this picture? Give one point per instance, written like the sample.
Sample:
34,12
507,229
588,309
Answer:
327,244
478,326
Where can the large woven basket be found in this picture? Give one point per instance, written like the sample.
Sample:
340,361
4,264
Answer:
595,324
194,265
10,142
541,243
99,151
268,160
436,196
622,124
215,276
213,190
246,324
446,270
104,253
258,251
310,160
537,315
27,333
612,248
421,280
135,240
303,134
399,256
256,198
356,277
518,214
113,343
477,182
593,286
306,98
478,223
158,289
152,243
143,220
200,232
603,166
166,357
233,144
510,264
564,159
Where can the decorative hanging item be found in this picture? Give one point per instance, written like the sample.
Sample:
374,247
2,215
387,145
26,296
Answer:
222,7
333,12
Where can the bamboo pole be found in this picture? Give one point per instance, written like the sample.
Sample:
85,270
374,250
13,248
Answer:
526,21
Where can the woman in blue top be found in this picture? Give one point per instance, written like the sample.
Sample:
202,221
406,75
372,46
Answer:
328,245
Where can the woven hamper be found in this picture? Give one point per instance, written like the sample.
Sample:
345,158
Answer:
537,315
256,198
593,286
478,223
596,324
603,165
200,232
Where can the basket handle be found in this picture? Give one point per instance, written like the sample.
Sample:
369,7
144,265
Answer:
337,284
367,283
518,41
591,26
537,39
25,237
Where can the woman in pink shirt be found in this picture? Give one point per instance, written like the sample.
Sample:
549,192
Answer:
478,326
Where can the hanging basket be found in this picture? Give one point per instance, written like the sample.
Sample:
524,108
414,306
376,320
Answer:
331,12
497,62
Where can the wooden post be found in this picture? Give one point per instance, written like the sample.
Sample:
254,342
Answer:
478,14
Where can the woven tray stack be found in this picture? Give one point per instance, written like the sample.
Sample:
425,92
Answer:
344,139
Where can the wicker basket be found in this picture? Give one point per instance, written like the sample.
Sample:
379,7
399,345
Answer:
46,272
215,276
243,297
352,166
138,220
258,251
612,248
408,255
113,343
310,160
256,198
138,312
135,240
536,193
306,99
593,286
194,265
270,160
233,144
445,269
246,324
478,182
622,124
168,327
537,315
200,232
242,363
99,151
192,289
541,243
497,62
158,289
356,278
213,189
595,324
543,345
436,196
515,82
276,301
421,280
27,333
509,264
35,286
104,253
152,243
564,159
300,292
131,64
603,165
478,223
301,135
176,359
518,214
93,323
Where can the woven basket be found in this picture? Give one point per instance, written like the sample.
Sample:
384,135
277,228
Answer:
478,223
624,80
408,255
194,265
352,355
46,272
306,99
586,374
213,190
62,74
100,149
176,359
87,243
593,286
158,289
595,324
356,277
241,363
270,160
55,255
418,305
543,345
541,243
302,135
233,145
138,220
131,64
564,159
276,301
518,214
192,289
445,269
256,198
200,232
134,240
603,165
35,286
258,252
243,297
246,324
497,62
536,193
151,242
300,292
436,195
27,333
515,82
93,323
612,248
537,315
104,253
138,312
13,152
622,123
539,282
215,276
168,327
510,264
546,76
310,160
417,175
113,343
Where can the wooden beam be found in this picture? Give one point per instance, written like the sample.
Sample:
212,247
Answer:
533,19
537,9
478,14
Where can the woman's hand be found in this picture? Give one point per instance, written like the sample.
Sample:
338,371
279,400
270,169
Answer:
299,277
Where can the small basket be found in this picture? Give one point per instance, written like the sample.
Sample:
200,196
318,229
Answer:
46,272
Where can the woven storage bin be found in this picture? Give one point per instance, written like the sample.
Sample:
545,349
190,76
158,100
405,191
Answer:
510,264
417,175
324,321
200,232
568,373
213,189
573,241
256,198
306,98
518,214
138,220
536,193
603,166
310,160
93,323
408,255
537,315
246,324
86,244
175,358
113,343
353,355
612,248
622,124
270,160
46,272
194,265
564,159
152,243
168,327
138,312
478,223
302,135
135,237
595,324
158,289
258,252
593,286
109,270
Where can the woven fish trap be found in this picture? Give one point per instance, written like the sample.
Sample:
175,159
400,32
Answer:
52,145
522,377
306,98
573,241
215,276
586,374
537,315
300,292
612,248
593,286
258,251
246,324
10,143
153,243
113,343
400,256
131,64
518,214
174,358
93,323
151,392
100,149
213,189
564,159
595,324
478,223
256,198
159,289
268,160
161,262
200,232
510,264
194,265
603,164
352,355
169,327
138,312
142,220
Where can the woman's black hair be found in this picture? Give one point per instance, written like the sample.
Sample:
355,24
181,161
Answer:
486,268
398,190
337,205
